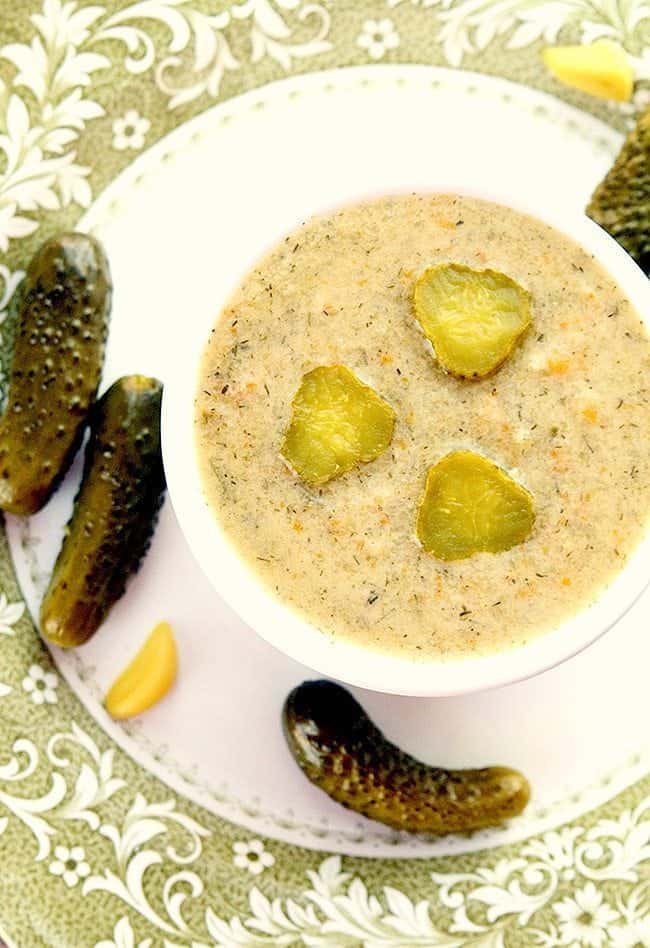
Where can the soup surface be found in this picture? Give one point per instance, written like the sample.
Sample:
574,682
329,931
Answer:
567,415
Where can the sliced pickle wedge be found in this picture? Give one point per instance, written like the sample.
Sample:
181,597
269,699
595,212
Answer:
473,318
472,506
337,422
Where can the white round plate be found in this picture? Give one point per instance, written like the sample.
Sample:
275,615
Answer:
197,208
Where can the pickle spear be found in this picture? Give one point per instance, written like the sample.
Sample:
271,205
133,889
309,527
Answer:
114,514
61,328
472,318
340,751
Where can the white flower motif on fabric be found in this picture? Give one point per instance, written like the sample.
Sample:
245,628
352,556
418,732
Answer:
633,930
586,918
377,37
40,172
252,856
482,907
129,132
467,27
37,147
12,225
633,935
8,284
94,785
123,937
557,850
10,614
4,690
70,864
41,685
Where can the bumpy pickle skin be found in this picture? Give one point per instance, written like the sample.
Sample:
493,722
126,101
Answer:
472,318
62,317
621,202
341,752
337,422
114,513
472,506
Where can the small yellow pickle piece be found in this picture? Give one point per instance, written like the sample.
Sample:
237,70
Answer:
472,506
148,678
336,423
602,69
473,318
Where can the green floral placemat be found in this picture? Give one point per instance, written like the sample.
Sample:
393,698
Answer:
93,850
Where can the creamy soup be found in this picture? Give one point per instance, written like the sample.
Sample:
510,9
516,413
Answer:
567,415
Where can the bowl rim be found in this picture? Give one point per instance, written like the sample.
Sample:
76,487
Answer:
284,628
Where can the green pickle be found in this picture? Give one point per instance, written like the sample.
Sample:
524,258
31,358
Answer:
337,422
114,513
473,318
472,506
61,327
621,202
344,754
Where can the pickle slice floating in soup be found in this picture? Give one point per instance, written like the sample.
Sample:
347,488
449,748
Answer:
473,318
472,506
336,423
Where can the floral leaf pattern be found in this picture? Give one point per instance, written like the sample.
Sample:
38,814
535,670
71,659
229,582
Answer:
338,908
137,859
479,907
9,283
469,26
41,172
10,612
123,937
95,782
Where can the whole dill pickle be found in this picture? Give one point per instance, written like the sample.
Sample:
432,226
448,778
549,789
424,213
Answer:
114,513
621,202
340,750
60,334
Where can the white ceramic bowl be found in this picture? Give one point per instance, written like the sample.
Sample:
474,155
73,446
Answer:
239,586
